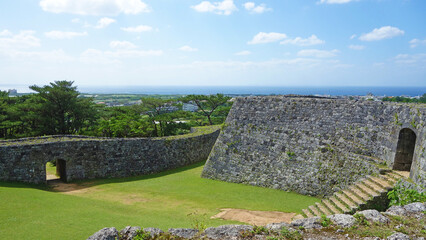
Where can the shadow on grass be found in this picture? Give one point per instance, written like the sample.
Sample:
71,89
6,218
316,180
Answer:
24,185
81,184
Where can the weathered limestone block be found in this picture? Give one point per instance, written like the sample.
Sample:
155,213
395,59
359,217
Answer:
105,234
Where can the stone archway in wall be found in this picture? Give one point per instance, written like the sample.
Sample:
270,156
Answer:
405,150
61,171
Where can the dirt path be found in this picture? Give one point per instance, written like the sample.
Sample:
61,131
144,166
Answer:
258,218
68,188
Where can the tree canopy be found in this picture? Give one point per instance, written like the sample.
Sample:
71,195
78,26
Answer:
207,103
59,110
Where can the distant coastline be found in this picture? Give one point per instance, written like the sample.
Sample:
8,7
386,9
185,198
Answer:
244,90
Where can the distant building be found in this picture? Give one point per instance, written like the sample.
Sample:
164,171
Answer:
190,107
13,91
168,109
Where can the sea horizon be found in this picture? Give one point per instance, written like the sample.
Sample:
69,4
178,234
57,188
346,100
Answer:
245,90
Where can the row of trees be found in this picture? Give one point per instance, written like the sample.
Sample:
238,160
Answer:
422,99
57,109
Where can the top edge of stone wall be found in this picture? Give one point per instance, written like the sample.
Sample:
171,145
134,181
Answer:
195,131
321,98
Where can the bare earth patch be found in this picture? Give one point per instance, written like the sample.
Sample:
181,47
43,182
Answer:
258,218
69,188
74,189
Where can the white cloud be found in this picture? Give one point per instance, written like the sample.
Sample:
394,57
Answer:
122,45
292,63
138,29
47,56
356,47
64,35
336,1
226,7
413,43
411,59
251,7
104,22
95,7
381,33
76,20
310,41
263,37
24,39
17,46
353,36
5,33
243,53
108,57
188,49
317,53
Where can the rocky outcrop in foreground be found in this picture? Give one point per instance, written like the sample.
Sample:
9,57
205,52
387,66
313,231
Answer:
397,223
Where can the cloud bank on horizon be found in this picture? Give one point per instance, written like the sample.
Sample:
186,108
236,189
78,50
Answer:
214,42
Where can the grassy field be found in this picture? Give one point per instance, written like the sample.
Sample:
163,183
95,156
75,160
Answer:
170,199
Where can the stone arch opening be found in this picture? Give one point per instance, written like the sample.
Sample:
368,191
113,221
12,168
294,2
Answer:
56,171
405,150
61,169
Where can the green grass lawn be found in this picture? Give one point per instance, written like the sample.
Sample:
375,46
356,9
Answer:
161,200
50,169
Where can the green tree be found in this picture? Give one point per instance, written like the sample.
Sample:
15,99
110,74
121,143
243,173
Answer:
207,104
154,107
3,113
59,110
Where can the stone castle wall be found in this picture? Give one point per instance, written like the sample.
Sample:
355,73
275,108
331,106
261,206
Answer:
313,146
87,158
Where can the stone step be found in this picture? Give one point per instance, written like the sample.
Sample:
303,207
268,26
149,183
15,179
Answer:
353,197
394,175
383,183
340,205
404,174
327,203
388,179
342,197
367,189
364,196
323,209
372,184
314,210
308,213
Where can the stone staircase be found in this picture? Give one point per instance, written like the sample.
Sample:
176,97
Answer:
356,196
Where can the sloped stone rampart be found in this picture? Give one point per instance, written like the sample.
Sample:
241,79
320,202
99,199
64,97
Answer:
25,160
313,146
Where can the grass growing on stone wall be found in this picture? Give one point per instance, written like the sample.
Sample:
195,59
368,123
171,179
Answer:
169,199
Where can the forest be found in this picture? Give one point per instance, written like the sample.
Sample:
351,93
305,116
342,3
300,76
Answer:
59,108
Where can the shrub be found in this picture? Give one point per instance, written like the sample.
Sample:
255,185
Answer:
292,235
325,221
404,193
142,235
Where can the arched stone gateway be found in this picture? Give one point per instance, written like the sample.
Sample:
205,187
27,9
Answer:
61,169
405,150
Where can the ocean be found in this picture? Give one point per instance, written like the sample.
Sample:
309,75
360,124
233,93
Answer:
259,90
244,90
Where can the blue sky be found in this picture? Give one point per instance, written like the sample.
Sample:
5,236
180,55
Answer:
228,42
